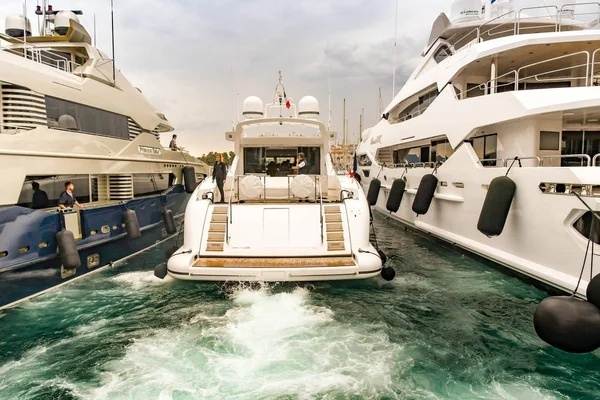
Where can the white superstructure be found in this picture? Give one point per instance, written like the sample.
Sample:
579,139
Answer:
516,79
65,110
286,215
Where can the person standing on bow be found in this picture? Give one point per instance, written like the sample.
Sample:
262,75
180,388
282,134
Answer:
219,175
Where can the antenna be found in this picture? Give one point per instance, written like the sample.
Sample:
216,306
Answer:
360,124
380,104
395,39
112,31
345,134
329,89
25,26
94,29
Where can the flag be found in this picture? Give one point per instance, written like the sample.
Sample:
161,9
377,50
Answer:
355,164
287,102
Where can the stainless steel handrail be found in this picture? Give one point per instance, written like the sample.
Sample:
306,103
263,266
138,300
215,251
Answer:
321,208
493,160
539,160
596,157
581,156
587,65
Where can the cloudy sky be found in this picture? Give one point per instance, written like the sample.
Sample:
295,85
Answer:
191,58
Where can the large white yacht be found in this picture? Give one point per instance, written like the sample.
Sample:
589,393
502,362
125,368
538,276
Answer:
500,84
286,215
68,115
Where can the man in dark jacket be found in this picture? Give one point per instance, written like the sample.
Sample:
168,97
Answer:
219,175
39,198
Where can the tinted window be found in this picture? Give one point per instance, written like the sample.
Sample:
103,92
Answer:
73,116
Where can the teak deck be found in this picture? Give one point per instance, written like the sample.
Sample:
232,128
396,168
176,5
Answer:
303,262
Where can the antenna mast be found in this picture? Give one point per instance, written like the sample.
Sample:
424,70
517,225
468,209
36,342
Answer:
395,39
112,23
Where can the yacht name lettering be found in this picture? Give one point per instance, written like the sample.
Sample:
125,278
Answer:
376,139
148,150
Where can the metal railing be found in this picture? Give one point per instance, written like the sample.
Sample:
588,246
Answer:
40,55
515,23
520,76
582,157
595,159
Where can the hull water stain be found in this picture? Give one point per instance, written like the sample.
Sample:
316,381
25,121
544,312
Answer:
448,327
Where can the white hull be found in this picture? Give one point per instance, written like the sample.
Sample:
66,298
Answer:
286,246
485,92
538,239
280,221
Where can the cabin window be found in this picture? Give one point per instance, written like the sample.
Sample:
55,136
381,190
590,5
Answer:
485,146
442,53
579,142
279,161
68,115
413,155
440,150
149,184
43,191
549,140
364,160
418,107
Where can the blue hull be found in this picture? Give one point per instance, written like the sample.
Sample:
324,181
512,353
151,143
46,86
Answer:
31,264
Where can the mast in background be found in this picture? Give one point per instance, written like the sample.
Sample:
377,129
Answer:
345,127
360,125
395,40
112,31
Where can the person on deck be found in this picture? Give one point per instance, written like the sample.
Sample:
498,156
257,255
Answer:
301,164
66,199
39,198
173,144
219,175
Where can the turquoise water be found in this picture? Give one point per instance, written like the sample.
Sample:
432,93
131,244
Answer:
448,327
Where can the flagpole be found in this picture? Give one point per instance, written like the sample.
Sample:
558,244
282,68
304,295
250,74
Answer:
345,136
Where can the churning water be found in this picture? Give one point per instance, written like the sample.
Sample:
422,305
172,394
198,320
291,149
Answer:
448,327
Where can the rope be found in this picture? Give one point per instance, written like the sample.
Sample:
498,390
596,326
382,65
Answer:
585,259
513,163
594,217
380,169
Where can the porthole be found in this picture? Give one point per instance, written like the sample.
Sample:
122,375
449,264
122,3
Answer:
42,245
93,232
23,249
105,229
3,254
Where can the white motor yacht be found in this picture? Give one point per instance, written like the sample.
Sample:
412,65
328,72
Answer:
516,85
285,215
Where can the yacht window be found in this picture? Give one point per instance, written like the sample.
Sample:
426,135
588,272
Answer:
549,140
418,107
364,160
485,146
58,59
440,150
414,155
442,53
278,161
65,114
43,191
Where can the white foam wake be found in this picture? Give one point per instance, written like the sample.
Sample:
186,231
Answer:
265,345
